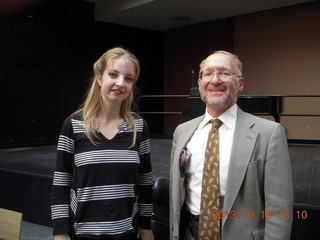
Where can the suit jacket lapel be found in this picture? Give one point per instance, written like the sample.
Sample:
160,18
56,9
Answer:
188,133
243,145
184,137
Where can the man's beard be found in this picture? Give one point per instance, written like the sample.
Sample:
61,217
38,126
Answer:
214,103
218,103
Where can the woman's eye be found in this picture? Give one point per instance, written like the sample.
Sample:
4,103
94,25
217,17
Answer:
112,74
129,79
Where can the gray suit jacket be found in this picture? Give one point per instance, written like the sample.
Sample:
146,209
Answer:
259,181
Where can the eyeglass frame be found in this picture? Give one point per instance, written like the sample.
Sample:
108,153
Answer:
217,72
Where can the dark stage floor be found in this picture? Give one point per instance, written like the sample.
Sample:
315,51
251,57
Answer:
305,161
41,160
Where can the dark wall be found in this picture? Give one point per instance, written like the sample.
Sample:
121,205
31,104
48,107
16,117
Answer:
185,48
46,58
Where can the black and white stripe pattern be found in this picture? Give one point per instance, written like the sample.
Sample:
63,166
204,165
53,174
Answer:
60,211
106,192
73,201
65,144
102,176
106,156
144,147
104,228
62,179
78,126
145,179
145,209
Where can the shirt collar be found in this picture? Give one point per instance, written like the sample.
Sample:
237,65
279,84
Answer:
228,118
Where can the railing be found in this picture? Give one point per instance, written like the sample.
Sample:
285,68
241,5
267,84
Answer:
273,105
240,97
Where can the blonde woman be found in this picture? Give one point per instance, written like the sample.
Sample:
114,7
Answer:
102,186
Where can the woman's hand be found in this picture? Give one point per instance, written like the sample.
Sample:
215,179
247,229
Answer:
146,234
62,237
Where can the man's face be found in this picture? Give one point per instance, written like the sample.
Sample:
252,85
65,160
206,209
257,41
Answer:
220,95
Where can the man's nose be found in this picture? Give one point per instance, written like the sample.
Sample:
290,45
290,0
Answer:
215,78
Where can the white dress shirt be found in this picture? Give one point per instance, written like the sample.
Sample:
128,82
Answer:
197,145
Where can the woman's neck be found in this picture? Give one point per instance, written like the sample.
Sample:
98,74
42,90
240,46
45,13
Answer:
110,113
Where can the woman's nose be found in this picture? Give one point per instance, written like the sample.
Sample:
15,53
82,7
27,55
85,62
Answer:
119,81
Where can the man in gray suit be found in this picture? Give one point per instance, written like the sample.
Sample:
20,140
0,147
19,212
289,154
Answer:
255,172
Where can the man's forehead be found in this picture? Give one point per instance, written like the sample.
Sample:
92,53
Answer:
219,56
219,60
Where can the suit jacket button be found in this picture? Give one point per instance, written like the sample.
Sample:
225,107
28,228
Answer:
175,236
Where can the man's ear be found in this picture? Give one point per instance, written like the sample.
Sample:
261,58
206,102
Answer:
241,84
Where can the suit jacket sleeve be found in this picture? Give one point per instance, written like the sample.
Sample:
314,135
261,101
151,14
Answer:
278,188
259,180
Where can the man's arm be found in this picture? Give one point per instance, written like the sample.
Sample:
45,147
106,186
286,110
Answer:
278,187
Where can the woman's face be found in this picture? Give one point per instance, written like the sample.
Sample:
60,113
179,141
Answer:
117,81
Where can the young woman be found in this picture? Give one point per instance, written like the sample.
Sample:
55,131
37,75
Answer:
102,187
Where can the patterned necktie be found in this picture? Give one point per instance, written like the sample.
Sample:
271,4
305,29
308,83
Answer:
209,228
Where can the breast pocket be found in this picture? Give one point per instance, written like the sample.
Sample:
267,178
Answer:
253,165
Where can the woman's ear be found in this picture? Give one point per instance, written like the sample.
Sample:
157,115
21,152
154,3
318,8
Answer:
99,80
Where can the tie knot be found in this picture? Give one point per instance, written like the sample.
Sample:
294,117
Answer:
216,123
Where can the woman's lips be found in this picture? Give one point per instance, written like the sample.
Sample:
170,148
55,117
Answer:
117,91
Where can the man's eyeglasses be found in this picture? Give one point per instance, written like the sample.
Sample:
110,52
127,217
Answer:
223,75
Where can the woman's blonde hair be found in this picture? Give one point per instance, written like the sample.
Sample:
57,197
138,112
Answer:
92,104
